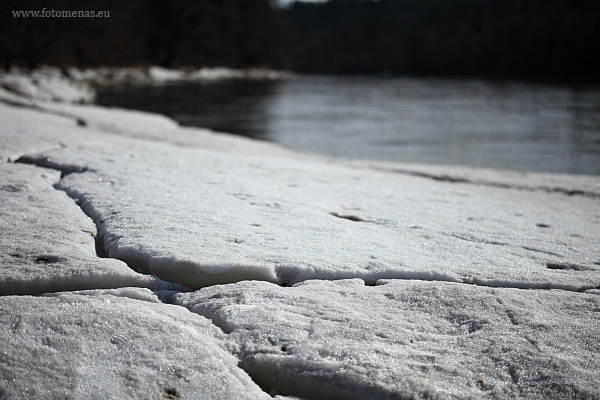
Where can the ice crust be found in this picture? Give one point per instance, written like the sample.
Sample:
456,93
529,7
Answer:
200,217
108,347
47,243
572,185
202,209
409,339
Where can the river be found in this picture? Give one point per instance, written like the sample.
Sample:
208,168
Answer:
491,124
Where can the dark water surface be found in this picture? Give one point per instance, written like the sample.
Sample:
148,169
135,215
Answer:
507,125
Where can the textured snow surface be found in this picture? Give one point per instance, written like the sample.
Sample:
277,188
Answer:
108,347
199,208
23,130
47,243
572,185
201,217
409,339
155,127
117,121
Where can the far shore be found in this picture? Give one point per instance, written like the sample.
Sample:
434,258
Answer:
76,85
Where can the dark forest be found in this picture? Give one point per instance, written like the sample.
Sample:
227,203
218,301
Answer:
538,39
556,40
170,33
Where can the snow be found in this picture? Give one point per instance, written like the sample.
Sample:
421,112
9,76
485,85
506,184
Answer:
220,73
107,347
160,75
47,84
135,293
116,120
572,185
47,243
104,76
30,127
404,276
408,339
200,217
164,75
74,85
23,130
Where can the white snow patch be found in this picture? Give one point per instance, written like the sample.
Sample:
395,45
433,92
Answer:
408,339
47,243
103,346
164,75
134,293
201,217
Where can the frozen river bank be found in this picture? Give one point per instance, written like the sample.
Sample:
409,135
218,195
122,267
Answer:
176,262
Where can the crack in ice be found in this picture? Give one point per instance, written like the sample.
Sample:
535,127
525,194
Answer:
138,262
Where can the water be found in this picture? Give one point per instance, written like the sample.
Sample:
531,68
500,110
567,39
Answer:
504,125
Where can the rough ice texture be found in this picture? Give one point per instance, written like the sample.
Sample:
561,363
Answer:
135,293
201,217
23,130
107,347
409,339
571,185
47,243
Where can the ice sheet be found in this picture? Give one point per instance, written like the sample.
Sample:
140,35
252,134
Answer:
201,217
108,347
409,339
47,243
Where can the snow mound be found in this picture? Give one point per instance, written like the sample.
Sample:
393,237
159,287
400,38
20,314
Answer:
107,347
408,339
47,243
200,217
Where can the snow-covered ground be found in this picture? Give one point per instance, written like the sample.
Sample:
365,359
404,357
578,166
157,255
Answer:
342,339
354,279
112,346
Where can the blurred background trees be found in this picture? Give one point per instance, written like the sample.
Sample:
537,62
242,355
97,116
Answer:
171,33
534,39
539,39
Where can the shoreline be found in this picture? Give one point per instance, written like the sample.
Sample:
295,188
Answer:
290,274
74,85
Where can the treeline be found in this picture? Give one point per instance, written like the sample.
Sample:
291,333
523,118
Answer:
539,39
171,33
